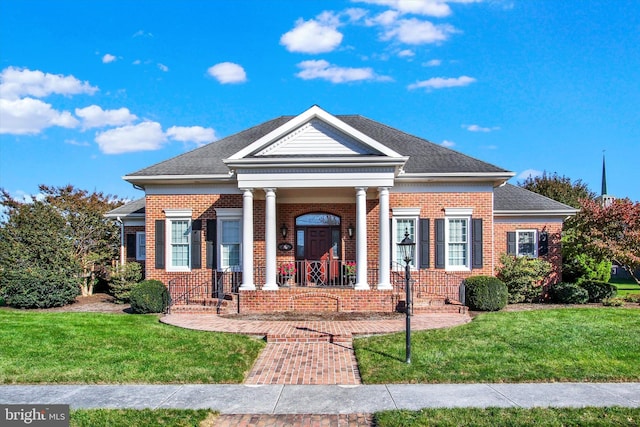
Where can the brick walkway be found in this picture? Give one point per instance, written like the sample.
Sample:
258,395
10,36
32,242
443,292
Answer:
309,351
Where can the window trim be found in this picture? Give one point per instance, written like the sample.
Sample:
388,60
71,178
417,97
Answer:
535,242
171,216
228,214
404,214
139,256
447,242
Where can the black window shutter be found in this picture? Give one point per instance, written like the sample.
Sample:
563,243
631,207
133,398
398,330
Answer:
131,245
476,239
160,241
511,242
212,258
440,243
543,243
424,243
196,243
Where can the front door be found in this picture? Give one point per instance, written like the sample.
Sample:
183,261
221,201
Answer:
318,243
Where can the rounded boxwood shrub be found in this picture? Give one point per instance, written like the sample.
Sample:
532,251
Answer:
149,296
485,293
39,289
568,293
598,291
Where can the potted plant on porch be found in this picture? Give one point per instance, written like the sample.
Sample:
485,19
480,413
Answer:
286,271
350,272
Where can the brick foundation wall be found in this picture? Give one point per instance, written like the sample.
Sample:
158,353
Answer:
314,299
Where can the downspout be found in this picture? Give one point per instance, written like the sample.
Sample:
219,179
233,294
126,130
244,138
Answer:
122,249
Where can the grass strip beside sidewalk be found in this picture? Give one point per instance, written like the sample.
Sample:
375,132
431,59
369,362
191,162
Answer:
93,348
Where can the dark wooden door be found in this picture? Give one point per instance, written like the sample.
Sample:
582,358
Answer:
318,243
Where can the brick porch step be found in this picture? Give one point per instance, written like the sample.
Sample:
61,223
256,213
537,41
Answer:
309,338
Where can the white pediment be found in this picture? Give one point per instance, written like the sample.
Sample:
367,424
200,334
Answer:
316,138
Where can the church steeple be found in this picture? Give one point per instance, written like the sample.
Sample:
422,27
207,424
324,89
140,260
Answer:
604,178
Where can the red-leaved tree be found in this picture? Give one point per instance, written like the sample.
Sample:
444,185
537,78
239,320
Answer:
611,232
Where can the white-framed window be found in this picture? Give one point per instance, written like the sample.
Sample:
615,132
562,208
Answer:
141,246
229,237
527,243
230,243
178,239
457,234
405,220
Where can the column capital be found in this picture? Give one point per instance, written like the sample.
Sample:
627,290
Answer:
247,190
383,190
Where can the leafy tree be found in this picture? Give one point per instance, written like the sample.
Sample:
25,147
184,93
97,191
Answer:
523,277
64,229
559,188
610,232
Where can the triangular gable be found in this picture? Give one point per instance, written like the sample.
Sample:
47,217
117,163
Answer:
315,132
316,138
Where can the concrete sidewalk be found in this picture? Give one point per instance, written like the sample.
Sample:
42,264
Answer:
324,399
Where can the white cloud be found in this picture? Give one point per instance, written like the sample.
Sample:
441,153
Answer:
137,62
17,82
321,69
433,63
196,134
228,72
478,128
31,116
442,82
141,33
447,143
107,58
145,136
313,36
93,116
437,8
529,173
406,53
414,31
163,67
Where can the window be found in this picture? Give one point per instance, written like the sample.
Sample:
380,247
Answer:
140,246
526,246
405,220
178,237
457,233
179,245
230,243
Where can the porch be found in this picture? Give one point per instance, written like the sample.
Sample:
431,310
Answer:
317,286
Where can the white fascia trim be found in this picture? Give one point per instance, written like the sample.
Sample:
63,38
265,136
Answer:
529,213
497,178
316,162
405,212
167,179
178,213
458,211
124,216
133,222
189,189
228,212
313,113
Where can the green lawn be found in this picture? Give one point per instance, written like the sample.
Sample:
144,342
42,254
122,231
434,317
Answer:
581,344
496,417
114,348
140,418
625,287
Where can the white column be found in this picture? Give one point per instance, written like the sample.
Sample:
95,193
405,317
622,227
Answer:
361,238
384,268
270,240
247,241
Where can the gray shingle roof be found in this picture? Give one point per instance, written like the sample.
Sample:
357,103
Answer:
131,208
425,156
512,198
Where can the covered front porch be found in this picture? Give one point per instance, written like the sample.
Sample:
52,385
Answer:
310,291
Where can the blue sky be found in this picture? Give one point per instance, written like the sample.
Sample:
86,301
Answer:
91,91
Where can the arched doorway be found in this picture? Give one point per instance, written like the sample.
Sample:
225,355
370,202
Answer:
318,248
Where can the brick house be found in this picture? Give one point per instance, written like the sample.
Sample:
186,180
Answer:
305,212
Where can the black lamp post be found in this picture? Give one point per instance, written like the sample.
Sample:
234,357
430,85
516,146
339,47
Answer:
406,247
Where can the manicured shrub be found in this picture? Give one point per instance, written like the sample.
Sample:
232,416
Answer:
577,267
123,279
598,291
485,293
149,296
613,302
632,298
39,289
568,293
523,277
